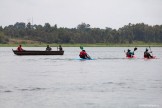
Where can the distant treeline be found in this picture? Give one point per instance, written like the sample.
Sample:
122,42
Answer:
83,33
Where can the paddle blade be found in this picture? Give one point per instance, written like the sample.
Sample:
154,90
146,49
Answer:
135,49
81,47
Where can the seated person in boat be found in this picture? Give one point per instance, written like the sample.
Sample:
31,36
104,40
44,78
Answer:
147,54
83,54
129,53
19,48
60,48
48,48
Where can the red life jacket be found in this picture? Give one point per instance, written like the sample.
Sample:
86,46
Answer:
128,55
83,54
146,54
19,49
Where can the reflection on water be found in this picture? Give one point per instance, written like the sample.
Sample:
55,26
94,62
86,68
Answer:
110,80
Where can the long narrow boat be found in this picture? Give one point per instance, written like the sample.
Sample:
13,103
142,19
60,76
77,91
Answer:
33,52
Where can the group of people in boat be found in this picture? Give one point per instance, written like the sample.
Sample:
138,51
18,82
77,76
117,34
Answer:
48,48
147,54
84,55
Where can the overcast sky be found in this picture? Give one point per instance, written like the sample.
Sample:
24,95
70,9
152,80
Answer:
70,13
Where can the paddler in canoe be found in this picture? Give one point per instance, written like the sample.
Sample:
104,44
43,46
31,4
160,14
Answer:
19,48
83,54
147,54
60,48
48,48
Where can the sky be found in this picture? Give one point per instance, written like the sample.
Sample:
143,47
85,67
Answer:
70,13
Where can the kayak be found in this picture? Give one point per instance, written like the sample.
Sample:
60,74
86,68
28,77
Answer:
131,57
154,57
85,59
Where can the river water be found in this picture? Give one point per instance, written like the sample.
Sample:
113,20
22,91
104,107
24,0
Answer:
109,81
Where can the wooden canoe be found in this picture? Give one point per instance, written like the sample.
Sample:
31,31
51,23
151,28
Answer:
33,52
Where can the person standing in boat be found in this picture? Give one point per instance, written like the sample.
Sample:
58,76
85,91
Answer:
129,53
19,48
60,48
48,48
147,54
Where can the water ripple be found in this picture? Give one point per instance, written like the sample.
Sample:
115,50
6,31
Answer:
32,89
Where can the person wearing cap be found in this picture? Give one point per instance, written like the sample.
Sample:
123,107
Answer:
48,48
83,54
147,54
129,53
19,48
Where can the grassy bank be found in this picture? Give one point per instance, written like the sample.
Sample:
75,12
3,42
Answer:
86,45
30,43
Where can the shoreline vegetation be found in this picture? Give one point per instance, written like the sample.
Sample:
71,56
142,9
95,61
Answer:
131,35
30,43
140,44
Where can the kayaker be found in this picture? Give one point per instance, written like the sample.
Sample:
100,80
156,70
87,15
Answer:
19,48
147,54
83,54
129,53
48,48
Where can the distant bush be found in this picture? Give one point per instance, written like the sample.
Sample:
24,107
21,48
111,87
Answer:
3,38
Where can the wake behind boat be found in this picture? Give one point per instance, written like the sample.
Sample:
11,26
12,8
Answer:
36,52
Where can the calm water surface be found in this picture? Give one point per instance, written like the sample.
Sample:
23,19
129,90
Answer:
109,81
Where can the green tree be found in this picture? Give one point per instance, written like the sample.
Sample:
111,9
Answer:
3,38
